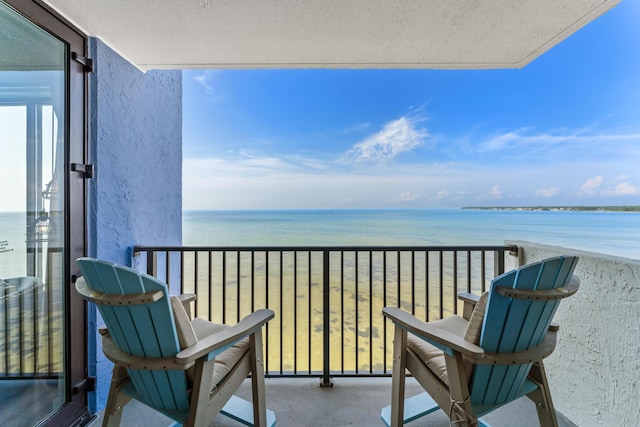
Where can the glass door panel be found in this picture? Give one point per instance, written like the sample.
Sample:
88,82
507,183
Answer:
32,227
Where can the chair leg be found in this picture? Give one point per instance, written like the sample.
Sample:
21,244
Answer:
116,400
542,396
257,380
398,376
460,411
200,393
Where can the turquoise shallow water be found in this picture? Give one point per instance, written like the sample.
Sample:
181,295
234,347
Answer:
610,233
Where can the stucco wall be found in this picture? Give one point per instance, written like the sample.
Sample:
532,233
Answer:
594,373
135,143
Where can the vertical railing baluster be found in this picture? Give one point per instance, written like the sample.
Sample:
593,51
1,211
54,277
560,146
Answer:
309,313
253,280
370,314
384,304
426,284
326,380
398,278
483,267
210,284
455,282
266,293
295,312
21,335
50,330
182,277
357,327
224,286
342,312
5,332
440,261
281,310
238,297
469,271
413,283
36,321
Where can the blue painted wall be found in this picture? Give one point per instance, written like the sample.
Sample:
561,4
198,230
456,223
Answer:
135,143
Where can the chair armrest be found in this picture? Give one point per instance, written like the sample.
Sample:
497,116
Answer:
431,332
220,341
468,298
186,298
470,301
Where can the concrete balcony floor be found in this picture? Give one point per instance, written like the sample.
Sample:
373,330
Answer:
300,402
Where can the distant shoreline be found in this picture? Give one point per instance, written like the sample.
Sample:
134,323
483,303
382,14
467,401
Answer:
558,208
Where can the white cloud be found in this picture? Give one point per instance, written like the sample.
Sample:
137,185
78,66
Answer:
251,181
396,137
501,141
442,195
205,78
524,138
408,196
598,186
591,186
547,192
622,189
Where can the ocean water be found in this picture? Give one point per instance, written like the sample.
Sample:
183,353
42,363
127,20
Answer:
359,337
612,233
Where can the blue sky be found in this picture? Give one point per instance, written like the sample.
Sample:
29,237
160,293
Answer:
564,130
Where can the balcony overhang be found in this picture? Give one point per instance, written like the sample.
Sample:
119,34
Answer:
440,34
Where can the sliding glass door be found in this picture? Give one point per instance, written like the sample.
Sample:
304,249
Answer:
38,312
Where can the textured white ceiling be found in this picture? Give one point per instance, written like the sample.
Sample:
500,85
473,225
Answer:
464,34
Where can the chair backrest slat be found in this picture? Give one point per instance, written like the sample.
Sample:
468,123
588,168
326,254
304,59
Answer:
146,330
512,325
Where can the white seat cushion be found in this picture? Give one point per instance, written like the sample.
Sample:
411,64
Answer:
226,360
433,357
190,332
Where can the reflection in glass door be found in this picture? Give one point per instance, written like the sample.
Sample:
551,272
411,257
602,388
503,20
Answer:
32,212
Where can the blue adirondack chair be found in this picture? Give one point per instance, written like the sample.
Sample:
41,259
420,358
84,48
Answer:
187,370
492,355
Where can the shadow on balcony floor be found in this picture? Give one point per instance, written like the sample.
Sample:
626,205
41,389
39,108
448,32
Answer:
300,402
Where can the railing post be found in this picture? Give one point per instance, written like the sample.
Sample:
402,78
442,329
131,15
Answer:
498,259
151,257
325,381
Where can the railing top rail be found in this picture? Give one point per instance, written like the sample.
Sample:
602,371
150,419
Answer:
445,248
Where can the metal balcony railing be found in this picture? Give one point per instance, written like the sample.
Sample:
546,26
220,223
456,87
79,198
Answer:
32,322
327,300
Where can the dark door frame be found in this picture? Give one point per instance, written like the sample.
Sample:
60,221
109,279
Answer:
74,410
